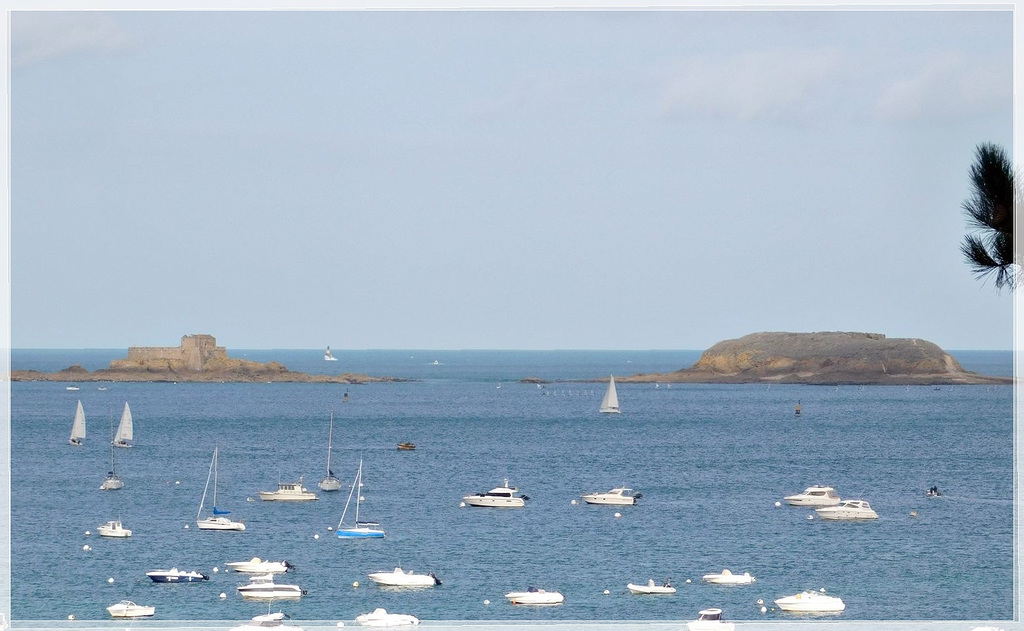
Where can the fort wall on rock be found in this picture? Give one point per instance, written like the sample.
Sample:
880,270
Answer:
194,352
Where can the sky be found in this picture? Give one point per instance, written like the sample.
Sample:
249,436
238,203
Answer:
538,179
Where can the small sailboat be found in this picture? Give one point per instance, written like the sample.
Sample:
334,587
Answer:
610,402
111,482
330,483
328,357
362,529
78,426
125,429
217,520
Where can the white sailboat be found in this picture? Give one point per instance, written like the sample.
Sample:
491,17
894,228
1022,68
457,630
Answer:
111,482
610,402
78,426
328,357
125,429
330,483
362,529
217,520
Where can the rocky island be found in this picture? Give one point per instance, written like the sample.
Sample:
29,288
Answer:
828,358
197,359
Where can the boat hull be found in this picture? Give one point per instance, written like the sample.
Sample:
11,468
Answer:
535,598
180,577
803,500
219,523
650,589
330,484
112,484
130,610
728,579
360,533
398,578
257,566
615,500
847,515
494,502
274,496
811,602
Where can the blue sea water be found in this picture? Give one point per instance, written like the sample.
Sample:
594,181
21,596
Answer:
711,461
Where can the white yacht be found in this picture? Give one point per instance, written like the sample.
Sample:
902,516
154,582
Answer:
726,577
263,586
811,602
710,620
113,528
619,497
814,496
651,588
380,617
257,565
288,492
534,596
128,609
399,578
847,510
498,497
266,621
174,575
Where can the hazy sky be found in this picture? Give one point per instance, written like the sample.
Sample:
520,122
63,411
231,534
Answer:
494,179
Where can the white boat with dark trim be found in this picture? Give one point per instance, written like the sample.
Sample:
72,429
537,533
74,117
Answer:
710,620
288,492
610,402
257,565
380,617
534,596
174,575
125,429
811,602
621,496
78,426
216,520
498,497
330,483
726,577
263,586
128,609
266,621
113,528
848,510
400,578
814,496
651,588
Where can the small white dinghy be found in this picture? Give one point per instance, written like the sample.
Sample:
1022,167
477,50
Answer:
651,588
400,578
128,609
379,617
811,602
726,577
534,596
710,620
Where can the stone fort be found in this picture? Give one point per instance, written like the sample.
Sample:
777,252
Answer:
194,352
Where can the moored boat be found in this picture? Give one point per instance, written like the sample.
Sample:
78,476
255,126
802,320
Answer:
726,577
710,620
651,588
848,510
400,578
113,528
811,602
380,617
361,529
288,492
78,426
498,497
621,496
174,575
331,482
128,609
262,586
257,565
534,596
406,446
814,496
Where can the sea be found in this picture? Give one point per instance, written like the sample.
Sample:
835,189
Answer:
712,462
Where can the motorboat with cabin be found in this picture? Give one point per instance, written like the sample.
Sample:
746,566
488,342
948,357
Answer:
726,577
848,510
621,496
288,492
710,620
814,496
651,588
811,602
380,617
498,497
263,586
174,575
257,565
113,528
128,609
400,578
534,596
266,621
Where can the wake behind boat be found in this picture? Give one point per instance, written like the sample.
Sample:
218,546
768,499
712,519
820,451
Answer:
726,577
498,497
710,620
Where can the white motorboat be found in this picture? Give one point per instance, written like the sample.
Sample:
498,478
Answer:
78,426
498,497
266,621
399,578
847,510
216,520
811,602
651,588
534,596
619,497
113,528
379,617
361,529
726,577
257,565
128,609
174,575
288,492
125,429
610,402
263,586
330,483
710,620
814,496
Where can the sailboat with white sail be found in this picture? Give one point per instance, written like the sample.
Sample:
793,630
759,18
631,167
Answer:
217,520
328,357
610,402
125,429
112,482
78,426
362,529
330,483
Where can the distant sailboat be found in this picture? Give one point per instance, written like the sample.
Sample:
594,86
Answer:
330,483
610,402
111,482
328,357
125,429
362,528
216,521
78,426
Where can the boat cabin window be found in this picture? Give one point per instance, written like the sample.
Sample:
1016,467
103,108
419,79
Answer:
710,616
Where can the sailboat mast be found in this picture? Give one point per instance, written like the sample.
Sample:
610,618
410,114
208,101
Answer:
330,439
207,487
359,489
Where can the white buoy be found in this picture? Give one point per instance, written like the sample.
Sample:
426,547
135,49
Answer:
86,547
110,580
215,570
573,502
618,514
362,499
687,581
778,504
764,609
87,533
487,602
186,526
249,499
760,601
223,595
355,583
462,505
606,592
810,517
316,536
330,529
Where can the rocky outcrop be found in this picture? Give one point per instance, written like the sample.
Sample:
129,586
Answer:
824,358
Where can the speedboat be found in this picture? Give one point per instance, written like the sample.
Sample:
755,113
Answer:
814,496
128,609
498,497
534,596
811,602
174,575
728,578
651,588
288,492
113,529
620,497
258,566
267,620
848,509
710,620
263,586
398,578
380,617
